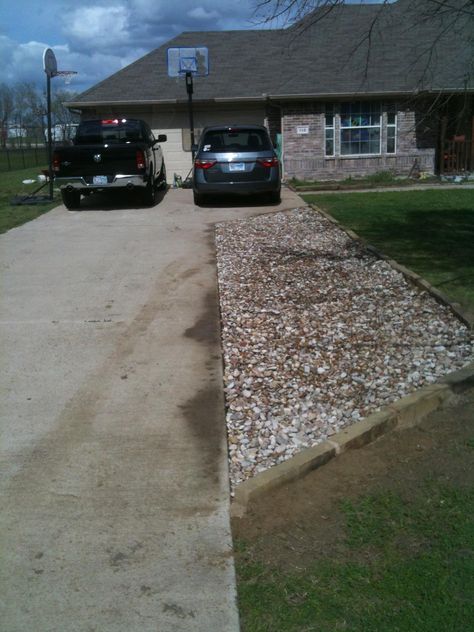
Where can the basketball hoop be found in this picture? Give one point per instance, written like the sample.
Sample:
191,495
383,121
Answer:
50,67
188,62
183,60
66,74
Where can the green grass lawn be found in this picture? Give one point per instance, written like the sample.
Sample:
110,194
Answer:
385,541
11,185
430,232
406,566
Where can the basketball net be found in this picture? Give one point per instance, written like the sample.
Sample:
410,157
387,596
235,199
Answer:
67,75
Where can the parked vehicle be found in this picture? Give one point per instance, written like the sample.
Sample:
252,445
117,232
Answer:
110,154
236,159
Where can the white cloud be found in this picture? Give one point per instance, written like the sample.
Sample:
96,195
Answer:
199,13
98,28
24,63
99,37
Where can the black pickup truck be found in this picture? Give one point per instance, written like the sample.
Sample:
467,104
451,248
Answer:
110,154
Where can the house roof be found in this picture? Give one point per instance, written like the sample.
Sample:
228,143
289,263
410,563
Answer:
354,49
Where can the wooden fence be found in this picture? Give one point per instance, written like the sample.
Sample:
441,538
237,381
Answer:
457,156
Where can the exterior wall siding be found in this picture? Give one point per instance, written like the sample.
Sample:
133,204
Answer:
304,154
172,122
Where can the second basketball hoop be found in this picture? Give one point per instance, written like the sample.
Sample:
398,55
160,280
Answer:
189,62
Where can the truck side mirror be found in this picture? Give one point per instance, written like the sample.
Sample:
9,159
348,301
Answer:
162,138
194,148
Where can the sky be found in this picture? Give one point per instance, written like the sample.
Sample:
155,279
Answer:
99,37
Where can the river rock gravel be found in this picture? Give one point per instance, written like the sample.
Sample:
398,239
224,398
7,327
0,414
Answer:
317,333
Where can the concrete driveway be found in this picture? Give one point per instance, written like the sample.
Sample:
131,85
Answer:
114,483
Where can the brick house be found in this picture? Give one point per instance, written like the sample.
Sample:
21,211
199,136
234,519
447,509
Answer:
360,89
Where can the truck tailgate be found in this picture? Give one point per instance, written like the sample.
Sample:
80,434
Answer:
91,160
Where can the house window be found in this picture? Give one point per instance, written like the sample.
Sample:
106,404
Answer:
360,128
329,131
391,133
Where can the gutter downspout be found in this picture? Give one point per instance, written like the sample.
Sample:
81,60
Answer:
268,101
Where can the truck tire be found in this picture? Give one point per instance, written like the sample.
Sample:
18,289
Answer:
71,199
149,192
162,178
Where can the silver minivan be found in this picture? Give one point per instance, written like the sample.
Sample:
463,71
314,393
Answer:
236,159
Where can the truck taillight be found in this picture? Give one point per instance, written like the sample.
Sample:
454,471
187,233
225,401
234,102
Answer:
268,162
204,164
140,160
56,162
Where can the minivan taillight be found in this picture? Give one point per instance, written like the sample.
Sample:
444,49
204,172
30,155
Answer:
56,162
140,159
268,162
204,164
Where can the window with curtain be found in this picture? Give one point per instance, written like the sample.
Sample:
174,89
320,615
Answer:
360,128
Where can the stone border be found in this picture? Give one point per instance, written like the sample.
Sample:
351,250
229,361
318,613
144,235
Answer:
405,412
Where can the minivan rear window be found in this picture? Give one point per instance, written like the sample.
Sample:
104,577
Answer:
238,140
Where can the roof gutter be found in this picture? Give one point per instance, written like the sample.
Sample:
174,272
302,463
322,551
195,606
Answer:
89,104
277,97
352,95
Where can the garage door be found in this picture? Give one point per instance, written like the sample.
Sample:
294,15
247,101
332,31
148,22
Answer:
172,123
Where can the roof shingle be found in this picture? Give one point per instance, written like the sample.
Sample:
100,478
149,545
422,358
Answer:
353,49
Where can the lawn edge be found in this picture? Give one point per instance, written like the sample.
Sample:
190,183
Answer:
405,412
415,278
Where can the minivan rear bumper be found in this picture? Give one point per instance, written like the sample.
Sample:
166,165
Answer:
272,185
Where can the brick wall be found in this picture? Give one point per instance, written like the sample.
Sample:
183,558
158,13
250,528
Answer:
304,154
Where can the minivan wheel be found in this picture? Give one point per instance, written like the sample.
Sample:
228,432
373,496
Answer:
71,199
274,197
198,198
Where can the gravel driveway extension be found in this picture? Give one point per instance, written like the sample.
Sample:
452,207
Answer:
317,333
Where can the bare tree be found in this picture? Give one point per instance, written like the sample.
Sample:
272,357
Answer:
7,106
29,108
438,19
292,10
30,105
62,116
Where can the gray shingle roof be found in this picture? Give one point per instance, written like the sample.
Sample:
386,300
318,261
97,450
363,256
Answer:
354,49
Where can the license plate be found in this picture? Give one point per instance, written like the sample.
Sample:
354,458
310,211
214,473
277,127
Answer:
99,180
236,166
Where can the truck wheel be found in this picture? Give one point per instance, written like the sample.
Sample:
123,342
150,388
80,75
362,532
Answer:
162,178
71,199
149,193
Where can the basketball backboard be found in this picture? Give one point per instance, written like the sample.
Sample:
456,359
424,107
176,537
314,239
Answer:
50,64
187,59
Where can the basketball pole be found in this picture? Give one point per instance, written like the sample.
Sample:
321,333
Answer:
189,89
50,136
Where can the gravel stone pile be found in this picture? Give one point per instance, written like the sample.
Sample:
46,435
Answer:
317,333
